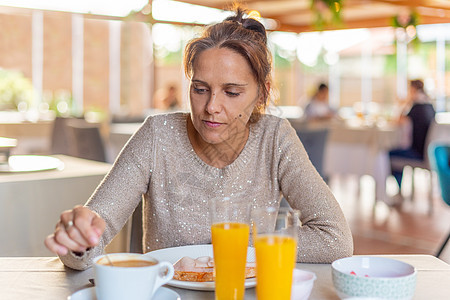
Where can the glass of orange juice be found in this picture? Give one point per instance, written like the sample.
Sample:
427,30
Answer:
275,234
230,228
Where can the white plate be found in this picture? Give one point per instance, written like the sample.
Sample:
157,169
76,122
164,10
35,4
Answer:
172,255
89,294
31,163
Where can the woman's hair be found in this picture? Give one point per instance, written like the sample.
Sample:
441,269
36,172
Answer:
244,36
322,87
417,84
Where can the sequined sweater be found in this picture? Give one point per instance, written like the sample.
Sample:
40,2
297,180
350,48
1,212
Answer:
159,165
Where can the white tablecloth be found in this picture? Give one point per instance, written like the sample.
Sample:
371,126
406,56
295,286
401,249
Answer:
361,150
31,203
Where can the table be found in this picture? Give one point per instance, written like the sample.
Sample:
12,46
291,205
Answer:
46,278
32,137
361,150
356,147
6,144
31,203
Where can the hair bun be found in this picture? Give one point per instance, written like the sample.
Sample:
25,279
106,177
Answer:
248,23
255,25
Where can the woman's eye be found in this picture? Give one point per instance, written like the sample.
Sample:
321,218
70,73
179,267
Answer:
200,90
232,94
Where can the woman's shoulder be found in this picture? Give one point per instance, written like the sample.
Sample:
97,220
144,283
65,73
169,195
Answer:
272,123
162,118
274,128
166,121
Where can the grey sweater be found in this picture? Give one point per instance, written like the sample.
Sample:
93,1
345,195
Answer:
159,165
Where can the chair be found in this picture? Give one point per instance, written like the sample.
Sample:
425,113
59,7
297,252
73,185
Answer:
439,154
399,163
60,143
86,140
136,230
314,141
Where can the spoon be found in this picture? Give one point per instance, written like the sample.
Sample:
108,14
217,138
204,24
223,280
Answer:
108,258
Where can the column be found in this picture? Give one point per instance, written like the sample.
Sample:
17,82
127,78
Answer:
77,63
114,66
37,55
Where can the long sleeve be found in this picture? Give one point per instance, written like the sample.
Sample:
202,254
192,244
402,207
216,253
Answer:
119,192
325,234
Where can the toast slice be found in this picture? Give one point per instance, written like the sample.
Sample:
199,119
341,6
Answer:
201,269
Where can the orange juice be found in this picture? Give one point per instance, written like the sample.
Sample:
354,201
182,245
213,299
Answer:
275,262
230,242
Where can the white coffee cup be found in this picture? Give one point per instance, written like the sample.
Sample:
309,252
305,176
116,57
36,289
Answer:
137,283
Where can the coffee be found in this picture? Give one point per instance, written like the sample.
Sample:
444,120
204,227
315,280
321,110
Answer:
131,276
131,263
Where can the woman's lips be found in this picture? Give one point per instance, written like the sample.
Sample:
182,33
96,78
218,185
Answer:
212,124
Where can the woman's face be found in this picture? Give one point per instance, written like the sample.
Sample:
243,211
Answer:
223,93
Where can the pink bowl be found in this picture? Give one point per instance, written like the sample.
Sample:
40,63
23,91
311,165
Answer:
302,284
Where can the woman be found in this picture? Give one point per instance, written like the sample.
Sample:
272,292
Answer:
225,146
419,115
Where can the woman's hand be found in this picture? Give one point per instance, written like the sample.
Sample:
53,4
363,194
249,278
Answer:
77,230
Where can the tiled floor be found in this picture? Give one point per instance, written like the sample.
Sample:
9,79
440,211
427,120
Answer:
381,229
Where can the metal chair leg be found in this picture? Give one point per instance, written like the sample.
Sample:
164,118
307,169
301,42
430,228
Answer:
443,246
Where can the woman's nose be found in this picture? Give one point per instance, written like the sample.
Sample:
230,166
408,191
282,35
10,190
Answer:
213,105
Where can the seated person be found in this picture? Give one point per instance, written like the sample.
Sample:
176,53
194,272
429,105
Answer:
419,112
318,107
226,145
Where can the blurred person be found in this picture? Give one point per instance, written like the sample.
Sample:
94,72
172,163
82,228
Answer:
318,107
167,98
417,114
225,145
171,99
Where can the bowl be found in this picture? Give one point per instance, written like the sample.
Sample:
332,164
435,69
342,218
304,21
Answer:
302,284
373,277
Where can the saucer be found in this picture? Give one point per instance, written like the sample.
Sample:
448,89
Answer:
89,294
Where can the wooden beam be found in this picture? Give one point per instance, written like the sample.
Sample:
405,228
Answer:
415,4
367,23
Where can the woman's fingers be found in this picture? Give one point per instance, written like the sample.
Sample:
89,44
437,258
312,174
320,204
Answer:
53,246
68,222
62,238
77,230
99,225
76,236
60,243
89,224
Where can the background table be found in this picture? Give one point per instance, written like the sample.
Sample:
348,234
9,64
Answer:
46,278
361,150
31,203
32,137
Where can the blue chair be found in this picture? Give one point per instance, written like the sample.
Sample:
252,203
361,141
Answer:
439,156
314,141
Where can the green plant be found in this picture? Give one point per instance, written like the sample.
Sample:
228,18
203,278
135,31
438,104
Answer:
15,90
327,12
407,23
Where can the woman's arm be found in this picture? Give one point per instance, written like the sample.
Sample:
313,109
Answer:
325,235
119,193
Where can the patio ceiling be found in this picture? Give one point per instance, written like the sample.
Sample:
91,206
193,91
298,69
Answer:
297,15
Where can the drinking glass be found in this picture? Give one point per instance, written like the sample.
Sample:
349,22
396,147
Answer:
230,228
275,234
